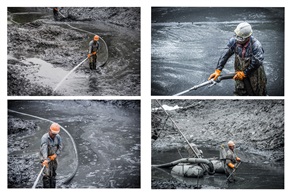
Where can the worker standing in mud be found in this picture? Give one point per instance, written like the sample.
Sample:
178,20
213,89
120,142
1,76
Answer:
55,13
250,78
231,161
51,146
92,52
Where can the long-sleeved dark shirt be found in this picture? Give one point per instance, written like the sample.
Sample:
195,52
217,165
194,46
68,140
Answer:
50,146
93,46
253,51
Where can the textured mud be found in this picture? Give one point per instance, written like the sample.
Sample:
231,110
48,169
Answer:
256,126
42,51
98,128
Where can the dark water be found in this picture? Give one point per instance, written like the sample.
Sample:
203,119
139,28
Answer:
120,75
187,43
253,173
107,137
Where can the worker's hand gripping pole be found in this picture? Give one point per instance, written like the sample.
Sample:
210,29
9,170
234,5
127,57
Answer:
235,169
210,82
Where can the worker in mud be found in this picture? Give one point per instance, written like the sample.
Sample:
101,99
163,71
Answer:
231,161
250,78
92,52
55,13
51,146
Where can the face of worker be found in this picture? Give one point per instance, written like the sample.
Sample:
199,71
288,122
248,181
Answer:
51,135
231,147
241,40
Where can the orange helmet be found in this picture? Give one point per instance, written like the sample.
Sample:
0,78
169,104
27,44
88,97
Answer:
96,38
54,128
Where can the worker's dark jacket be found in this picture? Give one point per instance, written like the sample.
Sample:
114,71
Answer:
231,157
50,146
253,50
93,46
249,59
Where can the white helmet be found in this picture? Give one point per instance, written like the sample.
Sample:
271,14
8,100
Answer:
231,143
243,31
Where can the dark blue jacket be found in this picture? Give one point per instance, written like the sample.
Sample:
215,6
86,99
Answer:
253,51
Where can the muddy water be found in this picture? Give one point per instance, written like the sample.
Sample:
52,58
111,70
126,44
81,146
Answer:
254,172
107,137
187,43
120,75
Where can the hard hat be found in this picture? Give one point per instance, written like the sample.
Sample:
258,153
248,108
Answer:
231,143
54,128
243,31
96,38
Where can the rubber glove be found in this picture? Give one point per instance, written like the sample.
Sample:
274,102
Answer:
215,75
238,159
52,157
231,165
239,75
45,163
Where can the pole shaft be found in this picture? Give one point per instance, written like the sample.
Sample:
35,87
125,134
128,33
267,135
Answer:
178,129
37,179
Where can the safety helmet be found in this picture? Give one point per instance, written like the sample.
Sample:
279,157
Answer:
243,31
54,128
231,143
96,38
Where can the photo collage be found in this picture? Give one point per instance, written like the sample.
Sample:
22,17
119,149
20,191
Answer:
144,95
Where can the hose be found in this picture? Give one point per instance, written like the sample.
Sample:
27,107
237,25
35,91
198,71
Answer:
92,34
72,140
210,165
88,33
72,28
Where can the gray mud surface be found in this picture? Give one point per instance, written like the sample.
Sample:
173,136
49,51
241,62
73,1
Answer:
107,137
42,51
256,126
187,43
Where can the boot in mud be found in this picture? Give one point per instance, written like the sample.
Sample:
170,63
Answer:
52,182
94,62
46,182
91,65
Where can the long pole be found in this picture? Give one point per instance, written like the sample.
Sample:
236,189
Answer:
179,130
37,179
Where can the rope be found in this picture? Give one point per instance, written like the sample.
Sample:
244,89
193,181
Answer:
72,140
